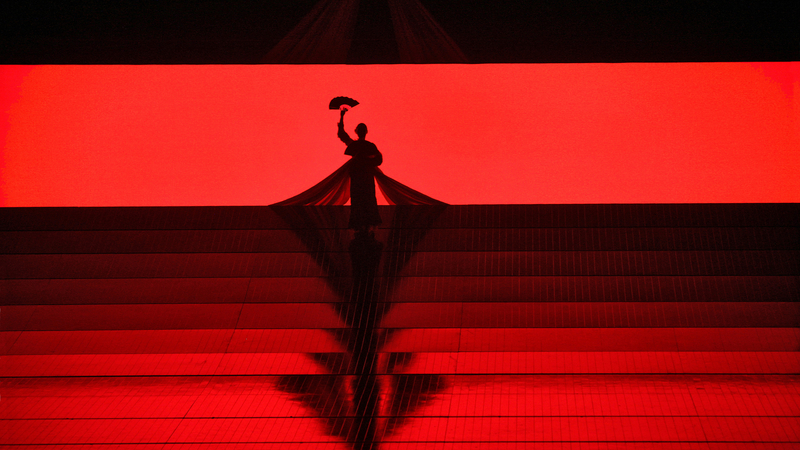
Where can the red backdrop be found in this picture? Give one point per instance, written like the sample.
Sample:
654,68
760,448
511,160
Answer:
254,135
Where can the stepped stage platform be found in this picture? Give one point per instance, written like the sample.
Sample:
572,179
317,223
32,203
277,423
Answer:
454,327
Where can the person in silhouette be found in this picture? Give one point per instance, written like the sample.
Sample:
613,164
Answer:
365,157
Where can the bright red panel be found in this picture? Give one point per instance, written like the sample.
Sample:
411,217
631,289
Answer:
234,135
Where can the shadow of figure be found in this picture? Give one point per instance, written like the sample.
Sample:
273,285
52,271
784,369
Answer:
403,393
365,254
367,395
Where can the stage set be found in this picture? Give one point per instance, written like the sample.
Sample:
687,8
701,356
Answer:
518,326
549,256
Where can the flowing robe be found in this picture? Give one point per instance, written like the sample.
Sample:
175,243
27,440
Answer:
355,180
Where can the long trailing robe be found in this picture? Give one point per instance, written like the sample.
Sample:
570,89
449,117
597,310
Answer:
335,190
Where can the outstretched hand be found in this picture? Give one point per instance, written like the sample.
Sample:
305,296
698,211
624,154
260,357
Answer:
342,111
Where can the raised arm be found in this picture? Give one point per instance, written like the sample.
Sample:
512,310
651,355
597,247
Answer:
343,134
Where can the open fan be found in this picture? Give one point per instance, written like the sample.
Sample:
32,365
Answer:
342,102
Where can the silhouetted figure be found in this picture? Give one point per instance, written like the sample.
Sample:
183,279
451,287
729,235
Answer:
365,157
356,179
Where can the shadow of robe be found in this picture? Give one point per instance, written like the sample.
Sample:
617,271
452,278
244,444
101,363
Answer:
366,397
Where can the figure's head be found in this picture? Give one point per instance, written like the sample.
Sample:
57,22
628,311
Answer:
361,130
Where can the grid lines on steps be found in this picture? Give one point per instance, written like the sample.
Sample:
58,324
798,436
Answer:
472,312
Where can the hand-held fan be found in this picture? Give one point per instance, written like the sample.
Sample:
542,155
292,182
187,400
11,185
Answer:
342,103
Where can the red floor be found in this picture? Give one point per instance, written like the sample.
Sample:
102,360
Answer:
567,335
419,411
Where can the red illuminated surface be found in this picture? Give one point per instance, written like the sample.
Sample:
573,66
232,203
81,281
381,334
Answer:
464,134
493,327
120,332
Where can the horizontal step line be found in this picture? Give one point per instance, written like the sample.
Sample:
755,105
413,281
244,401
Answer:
380,416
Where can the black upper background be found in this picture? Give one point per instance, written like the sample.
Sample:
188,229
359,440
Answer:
488,31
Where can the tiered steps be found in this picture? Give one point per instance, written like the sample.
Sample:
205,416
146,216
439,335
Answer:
505,326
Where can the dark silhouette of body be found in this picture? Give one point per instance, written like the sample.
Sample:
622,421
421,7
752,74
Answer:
355,180
365,157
